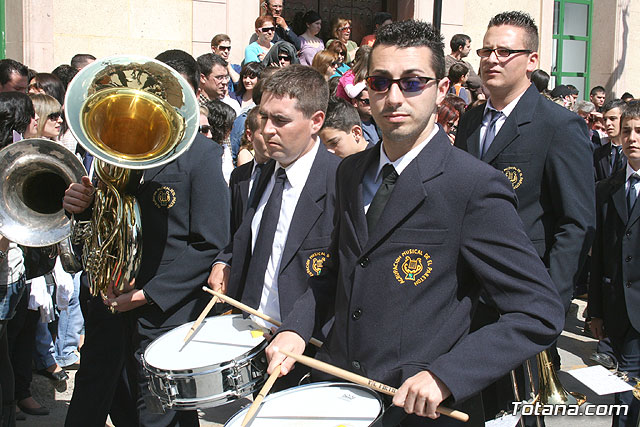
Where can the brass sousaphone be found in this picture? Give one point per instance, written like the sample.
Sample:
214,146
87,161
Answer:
131,113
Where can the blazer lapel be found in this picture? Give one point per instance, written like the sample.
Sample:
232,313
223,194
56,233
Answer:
355,205
619,195
409,191
521,114
473,141
309,207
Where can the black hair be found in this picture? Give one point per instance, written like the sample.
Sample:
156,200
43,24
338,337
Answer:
573,90
221,118
256,96
413,33
184,64
341,115
10,66
626,95
521,20
597,89
250,69
81,59
65,73
631,111
208,60
16,112
300,21
51,85
304,84
380,17
457,71
614,103
540,79
458,41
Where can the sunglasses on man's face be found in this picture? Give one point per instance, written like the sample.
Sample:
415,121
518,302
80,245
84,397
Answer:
406,84
224,48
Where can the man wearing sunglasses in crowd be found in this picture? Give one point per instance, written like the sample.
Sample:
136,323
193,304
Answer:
275,9
370,130
422,229
221,46
542,148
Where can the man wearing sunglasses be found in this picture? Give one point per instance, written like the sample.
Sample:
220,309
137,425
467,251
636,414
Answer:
221,46
418,223
542,148
275,9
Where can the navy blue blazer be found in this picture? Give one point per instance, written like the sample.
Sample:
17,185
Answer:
309,235
185,223
614,286
403,293
545,151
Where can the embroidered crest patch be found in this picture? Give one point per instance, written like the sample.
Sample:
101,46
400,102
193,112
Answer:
514,175
315,262
164,197
413,265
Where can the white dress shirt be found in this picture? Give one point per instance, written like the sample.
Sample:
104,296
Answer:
486,118
297,174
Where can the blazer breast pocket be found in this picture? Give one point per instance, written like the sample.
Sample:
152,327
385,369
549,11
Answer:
418,235
513,158
316,243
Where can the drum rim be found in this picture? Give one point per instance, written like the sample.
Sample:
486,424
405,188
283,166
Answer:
314,385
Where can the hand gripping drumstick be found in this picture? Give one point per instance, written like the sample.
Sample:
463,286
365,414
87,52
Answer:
244,307
261,395
358,379
200,318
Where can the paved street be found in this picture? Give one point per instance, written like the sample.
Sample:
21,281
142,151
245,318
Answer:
575,349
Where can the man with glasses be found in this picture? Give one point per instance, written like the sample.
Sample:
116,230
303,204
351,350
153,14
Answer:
221,46
418,223
214,78
370,130
542,148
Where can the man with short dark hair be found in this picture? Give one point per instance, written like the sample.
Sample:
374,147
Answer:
284,235
460,47
370,130
380,19
81,60
14,76
598,96
609,158
542,148
214,77
419,224
221,46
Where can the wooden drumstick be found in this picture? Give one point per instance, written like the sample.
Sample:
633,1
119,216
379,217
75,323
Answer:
358,379
261,395
244,307
200,318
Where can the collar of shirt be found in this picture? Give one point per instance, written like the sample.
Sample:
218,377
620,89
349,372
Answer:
506,110
298,171
630,172
401,163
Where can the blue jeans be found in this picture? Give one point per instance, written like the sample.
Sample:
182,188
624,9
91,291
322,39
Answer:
43,354
9,297
70,327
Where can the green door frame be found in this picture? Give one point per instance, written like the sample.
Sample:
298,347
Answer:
3,33
560,37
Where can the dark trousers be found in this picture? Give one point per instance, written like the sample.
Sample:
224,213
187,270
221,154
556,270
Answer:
627,350
7,416
22,341
143,337
102,383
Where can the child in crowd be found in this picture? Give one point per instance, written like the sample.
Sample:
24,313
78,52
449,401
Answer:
341,132
458,76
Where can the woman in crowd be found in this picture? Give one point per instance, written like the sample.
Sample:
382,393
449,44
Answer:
221,117
341,31
17,118
265,29
340,50
249,76
353,81
50,111
325,62
48,84
449,113
310,44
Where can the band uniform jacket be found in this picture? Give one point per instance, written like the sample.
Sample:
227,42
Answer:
544,150
185,223
614,287
239,186
309,235
602,162
404,293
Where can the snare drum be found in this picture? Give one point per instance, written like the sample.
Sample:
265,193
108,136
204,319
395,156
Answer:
316,405
223,361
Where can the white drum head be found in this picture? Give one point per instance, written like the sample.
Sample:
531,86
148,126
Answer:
316,405
219,339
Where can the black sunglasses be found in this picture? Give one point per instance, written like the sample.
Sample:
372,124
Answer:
406,84
204,129
268,29
54,116
285,58
224,48
364,101
501,52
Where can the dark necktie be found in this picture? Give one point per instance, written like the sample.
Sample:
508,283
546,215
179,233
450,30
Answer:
264,243
490,134
632,195
256,179
389,177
